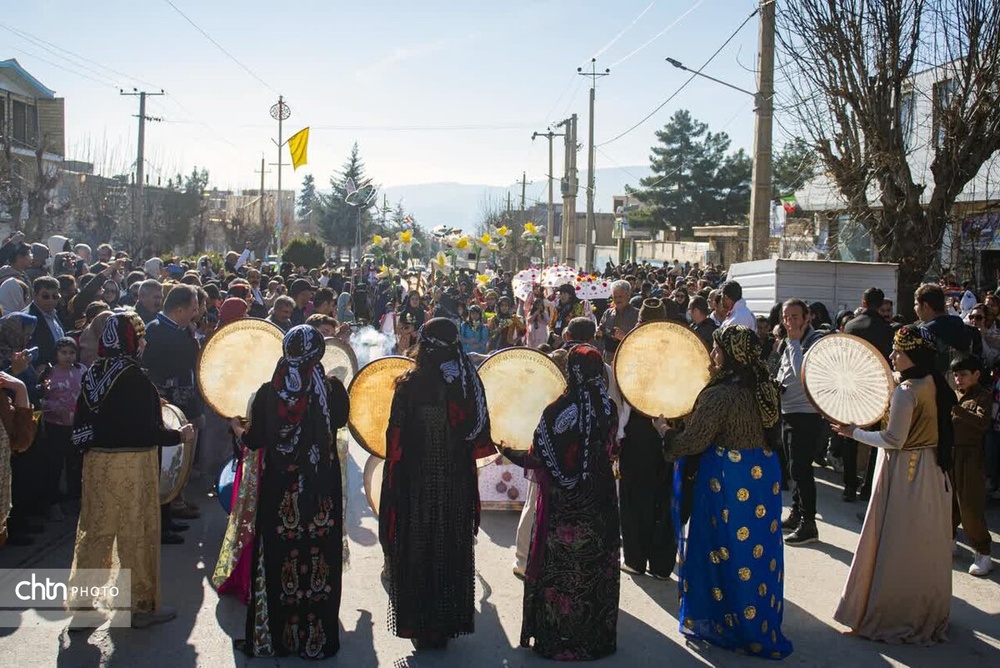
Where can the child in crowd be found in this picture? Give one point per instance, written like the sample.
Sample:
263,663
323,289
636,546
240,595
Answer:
60,387
971,418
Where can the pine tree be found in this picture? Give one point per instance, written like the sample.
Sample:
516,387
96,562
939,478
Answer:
695,180
336,220
307,198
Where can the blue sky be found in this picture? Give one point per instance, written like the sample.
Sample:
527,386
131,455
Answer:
406,80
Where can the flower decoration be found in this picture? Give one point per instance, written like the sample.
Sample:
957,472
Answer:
462,243
503,231
486,239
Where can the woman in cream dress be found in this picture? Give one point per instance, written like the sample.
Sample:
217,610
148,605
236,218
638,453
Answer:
899,586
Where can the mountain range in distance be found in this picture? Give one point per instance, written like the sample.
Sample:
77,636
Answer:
462,205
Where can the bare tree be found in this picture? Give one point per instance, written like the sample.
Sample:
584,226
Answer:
851,66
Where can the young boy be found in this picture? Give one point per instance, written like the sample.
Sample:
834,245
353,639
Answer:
61,387
971,418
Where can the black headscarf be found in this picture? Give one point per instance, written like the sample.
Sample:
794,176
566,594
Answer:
582,419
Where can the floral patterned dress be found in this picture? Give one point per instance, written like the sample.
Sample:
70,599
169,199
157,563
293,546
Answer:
296,573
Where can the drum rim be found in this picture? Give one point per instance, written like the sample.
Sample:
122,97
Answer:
492,459
670,325
359,439
352,356
878,354
242,323
188,457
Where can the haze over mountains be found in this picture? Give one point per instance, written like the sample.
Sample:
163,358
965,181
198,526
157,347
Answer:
462,204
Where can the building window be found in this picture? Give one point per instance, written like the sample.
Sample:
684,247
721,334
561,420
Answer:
25,121
944,92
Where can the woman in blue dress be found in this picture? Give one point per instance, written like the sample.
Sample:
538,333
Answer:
731,560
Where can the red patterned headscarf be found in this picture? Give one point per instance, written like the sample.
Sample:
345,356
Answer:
299,379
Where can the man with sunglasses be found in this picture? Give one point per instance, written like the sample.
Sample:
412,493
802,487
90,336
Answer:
49,330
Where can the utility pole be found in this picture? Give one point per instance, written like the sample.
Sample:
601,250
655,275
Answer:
762,189
262,199
569,187
593,74
281,113
550,223
140,162
385,208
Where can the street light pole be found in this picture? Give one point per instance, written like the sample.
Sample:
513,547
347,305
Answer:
551,218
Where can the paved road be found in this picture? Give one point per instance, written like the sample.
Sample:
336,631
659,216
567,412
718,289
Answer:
647,628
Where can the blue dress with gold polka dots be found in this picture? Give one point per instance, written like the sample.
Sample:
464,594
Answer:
731,562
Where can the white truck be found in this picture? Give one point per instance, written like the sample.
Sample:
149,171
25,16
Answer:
838,285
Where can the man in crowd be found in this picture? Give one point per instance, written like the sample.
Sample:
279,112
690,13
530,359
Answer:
281,312
48,329
39,256
718,313
701,320
876,330
952,335
301,293
13,296
737,311
801,424
150,299
618,320
170,358
324,302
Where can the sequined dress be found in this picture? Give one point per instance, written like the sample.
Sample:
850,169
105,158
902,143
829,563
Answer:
731,554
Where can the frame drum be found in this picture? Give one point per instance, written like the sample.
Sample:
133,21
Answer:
848,380
175,460
371,393
661,368
235,362
520,383
339,360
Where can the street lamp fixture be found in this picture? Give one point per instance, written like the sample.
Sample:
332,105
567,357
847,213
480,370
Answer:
679,65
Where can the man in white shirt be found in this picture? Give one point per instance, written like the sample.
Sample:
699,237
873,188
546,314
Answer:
737,311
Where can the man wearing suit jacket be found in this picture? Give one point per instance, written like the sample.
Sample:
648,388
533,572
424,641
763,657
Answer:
876,330
48,330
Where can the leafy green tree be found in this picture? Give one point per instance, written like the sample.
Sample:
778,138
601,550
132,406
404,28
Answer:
794,164
695,180
308,253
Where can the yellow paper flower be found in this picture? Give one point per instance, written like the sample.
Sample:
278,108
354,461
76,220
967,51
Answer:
406,237
485,239
462,243
483,278
493,247
530,228
502,231
377,240
441,259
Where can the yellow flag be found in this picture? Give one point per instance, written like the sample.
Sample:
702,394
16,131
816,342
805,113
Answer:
298,143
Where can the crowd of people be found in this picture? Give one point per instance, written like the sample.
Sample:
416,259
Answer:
93,343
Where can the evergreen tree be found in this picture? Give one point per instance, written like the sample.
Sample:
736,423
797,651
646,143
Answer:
695,180
795,164
336,220
307,198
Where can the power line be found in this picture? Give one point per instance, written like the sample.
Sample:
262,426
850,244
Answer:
624,30
220,47
43,43
660,34
64,68
685,84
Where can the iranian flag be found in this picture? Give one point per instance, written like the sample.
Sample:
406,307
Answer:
791,206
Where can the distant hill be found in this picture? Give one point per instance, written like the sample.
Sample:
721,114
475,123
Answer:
461,204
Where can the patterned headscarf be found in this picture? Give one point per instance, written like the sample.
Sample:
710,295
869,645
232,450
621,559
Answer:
232,310
911,338
583,418
298,378
117,351
467,412
15,333
744,361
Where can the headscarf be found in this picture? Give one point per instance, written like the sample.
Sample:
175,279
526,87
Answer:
298,379
920,346
441,346
744,362
16,330
117,351
232,310
344,313
583,418
154,267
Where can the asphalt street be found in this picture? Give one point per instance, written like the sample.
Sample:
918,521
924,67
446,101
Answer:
647,628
